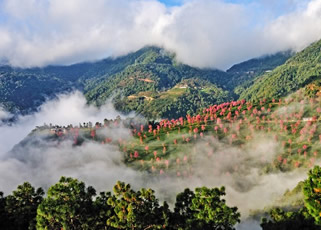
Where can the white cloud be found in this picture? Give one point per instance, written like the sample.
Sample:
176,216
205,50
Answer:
298,29
4,114
66,109
204,33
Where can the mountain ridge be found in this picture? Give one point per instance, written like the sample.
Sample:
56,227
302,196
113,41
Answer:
98,81
297,72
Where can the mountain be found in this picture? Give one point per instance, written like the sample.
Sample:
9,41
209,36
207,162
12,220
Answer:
297,72
149,81
23,90
244,74
157,86
150,73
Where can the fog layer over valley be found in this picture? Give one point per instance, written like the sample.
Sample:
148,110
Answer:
28,162
43,161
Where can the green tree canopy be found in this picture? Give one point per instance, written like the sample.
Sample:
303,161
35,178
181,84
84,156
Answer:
69,205
21,207
280,219
136,210
204,209
312,192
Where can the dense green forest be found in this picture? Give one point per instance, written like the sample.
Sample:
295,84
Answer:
143,81
152,78
243,75
298,71
24,90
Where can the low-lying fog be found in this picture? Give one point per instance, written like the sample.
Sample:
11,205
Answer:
44,163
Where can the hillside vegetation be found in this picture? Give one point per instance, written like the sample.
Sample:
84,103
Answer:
149,81
299,71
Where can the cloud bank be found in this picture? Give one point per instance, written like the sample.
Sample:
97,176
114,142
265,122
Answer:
203,33
66,109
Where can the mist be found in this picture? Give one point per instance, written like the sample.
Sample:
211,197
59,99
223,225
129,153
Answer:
66,109
212,162
4,115
202,33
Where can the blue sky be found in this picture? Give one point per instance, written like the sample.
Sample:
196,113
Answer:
171,2
274,7
179,2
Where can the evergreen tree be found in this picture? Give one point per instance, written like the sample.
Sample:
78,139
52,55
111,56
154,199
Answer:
69,205
312,192
21,207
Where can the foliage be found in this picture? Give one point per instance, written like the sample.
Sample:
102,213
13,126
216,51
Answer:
128,79
20,208
204,209
262,64
312,192
102,211
290,124
300,70
3,214
69,205
294,220
173,103
136,210
23,90
314,89
243,75
149,84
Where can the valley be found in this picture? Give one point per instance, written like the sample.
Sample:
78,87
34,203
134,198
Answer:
191,134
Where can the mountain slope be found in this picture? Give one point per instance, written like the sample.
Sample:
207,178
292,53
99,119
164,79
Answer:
23,90
156,86
149,81
244,74
297,72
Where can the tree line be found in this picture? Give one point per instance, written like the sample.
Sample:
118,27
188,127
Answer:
70,204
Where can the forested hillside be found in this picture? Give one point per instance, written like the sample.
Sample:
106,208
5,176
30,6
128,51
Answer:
156,86
23,90
299,71
149,81
243,75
